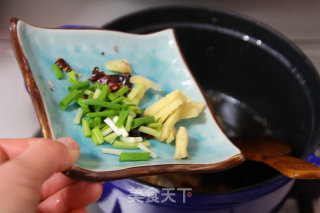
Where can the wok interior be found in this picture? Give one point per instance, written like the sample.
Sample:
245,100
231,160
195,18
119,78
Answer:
268,100
256,67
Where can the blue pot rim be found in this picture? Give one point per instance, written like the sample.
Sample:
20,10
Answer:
233,198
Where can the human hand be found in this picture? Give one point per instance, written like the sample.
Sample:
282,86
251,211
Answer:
31,178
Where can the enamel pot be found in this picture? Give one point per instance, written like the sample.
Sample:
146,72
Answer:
235,55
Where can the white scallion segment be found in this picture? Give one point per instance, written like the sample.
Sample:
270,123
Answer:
144,148
107,131
78,116
96,93
112,126
122,129
111,151
131,139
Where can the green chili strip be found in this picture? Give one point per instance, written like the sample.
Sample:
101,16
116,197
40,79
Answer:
126,145
75,94
97,132
143,120
85,127
134,156
149,131
79,86
122,117
72,77
105,113
57,71
106,104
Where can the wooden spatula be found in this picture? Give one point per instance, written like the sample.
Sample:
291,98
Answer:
275,153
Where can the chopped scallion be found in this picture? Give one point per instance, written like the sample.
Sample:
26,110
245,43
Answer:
126,145
96,121
57,71
111,151
131,139
96,94
72,77
85,107
142,120
122,130
128,123
149,131
95,102
134,156
94,138
122,91
122,117
86,127
117,100
78,116
110,138
144,148
97,132
105,113
106,131
75,94
79,86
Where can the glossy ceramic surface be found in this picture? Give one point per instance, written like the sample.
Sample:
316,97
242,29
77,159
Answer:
155,56
134,196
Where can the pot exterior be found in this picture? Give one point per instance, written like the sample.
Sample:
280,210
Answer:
130,195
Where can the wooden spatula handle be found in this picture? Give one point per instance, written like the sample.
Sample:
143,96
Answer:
292,167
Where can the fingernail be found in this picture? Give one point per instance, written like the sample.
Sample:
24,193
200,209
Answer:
69,142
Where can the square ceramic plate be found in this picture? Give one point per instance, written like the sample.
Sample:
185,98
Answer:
155,56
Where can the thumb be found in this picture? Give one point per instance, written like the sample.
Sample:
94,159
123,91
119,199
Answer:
21,178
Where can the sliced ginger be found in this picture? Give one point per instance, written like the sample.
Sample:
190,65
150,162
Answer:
141,86
171,109
182,140
119,65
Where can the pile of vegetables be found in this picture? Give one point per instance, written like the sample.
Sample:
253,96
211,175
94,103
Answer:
109,111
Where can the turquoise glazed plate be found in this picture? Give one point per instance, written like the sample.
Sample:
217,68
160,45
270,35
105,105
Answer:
155,56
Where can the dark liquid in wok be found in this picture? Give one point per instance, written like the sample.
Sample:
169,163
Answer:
237,120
